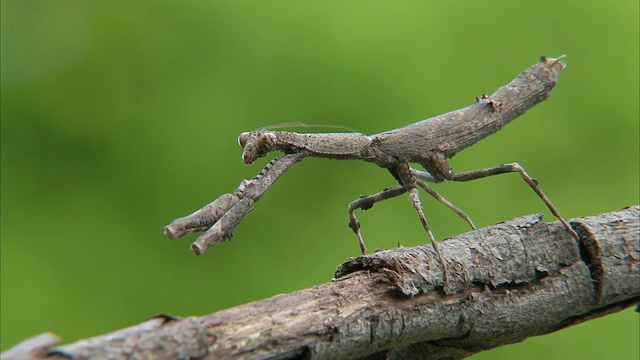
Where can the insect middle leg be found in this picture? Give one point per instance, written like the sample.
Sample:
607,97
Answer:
421,175
366,202
403,173
450,174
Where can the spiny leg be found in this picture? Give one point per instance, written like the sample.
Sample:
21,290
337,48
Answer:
446,202
224,214
366,202
450,174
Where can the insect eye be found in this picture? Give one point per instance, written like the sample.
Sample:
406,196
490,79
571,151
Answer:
242,139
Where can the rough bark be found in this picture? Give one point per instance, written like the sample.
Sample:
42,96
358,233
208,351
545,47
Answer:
390,304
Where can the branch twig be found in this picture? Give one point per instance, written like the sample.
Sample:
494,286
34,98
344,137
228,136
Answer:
388,305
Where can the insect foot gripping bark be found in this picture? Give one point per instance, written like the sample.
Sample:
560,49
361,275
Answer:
428,143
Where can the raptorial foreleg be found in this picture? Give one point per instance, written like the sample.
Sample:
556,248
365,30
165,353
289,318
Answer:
220,218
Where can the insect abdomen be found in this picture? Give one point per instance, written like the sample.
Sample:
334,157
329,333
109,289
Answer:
347,144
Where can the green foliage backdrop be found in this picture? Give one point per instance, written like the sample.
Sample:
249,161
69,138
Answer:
118,116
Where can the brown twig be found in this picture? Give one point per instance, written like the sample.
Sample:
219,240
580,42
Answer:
514,280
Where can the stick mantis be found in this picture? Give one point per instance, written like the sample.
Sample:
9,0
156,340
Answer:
428,143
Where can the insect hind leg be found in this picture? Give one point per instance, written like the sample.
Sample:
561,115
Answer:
450,174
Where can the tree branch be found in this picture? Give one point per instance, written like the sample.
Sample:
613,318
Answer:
390,304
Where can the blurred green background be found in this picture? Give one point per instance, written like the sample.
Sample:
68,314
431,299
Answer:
119,116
